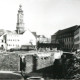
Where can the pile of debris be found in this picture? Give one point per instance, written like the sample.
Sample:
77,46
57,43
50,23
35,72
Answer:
73,72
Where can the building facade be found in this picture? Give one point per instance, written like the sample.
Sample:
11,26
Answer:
20,38
65,38
43,39
77,38
54,39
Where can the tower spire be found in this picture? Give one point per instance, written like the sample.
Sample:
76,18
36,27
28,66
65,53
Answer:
20,8
20,24
20,5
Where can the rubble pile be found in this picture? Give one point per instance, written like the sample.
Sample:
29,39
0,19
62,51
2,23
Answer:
73,71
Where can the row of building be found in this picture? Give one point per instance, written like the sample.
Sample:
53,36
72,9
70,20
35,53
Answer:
68,39
20,38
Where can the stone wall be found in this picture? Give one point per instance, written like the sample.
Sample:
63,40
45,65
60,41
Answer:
29,63
43,62
34,62
9,62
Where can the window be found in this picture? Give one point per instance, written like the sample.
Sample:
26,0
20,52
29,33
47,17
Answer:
69,39
2,40
42,58
45,58
76,39
8,44
76,32
76,46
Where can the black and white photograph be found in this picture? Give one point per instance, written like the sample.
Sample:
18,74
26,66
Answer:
39,39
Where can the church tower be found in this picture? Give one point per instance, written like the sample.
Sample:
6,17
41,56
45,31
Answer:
20,24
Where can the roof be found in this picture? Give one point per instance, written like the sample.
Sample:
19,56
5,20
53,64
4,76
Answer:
77,27
2,31
67,30
34,33
41,36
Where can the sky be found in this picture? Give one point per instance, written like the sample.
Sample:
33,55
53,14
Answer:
45,17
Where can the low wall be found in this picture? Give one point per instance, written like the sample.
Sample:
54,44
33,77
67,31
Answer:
9,62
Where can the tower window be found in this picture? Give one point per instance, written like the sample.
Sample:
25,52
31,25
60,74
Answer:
2,40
